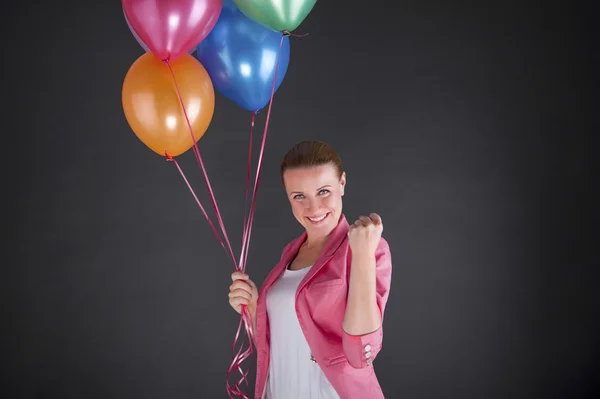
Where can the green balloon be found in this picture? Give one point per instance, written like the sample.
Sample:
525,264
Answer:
279,15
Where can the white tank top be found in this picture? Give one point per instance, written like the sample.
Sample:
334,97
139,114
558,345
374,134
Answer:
292,373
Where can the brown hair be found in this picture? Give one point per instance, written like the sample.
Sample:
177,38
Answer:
306,154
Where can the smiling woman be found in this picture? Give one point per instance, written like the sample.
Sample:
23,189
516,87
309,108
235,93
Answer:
318,316
314,180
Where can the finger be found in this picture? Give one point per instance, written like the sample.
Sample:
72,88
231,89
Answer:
359,223
252,284
365,219
240,293
375,218
237,275
238,300
242,285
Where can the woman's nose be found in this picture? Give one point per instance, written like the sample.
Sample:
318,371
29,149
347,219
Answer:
312,204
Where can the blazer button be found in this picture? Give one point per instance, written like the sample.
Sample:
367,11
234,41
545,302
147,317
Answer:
367,348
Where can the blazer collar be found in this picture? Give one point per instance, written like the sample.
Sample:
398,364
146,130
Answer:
339,233
336,237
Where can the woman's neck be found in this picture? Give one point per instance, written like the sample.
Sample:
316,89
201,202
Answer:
315,242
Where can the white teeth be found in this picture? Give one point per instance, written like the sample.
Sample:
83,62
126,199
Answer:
318,219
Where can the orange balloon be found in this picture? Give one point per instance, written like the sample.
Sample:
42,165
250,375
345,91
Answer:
152,106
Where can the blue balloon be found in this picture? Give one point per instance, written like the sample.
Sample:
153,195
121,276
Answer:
240,56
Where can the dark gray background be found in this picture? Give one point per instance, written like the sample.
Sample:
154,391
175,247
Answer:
468,127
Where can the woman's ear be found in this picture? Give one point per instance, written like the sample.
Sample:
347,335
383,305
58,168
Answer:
343,183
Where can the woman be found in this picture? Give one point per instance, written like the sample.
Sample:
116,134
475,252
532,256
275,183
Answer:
318,317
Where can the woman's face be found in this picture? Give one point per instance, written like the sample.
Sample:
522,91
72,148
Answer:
315,194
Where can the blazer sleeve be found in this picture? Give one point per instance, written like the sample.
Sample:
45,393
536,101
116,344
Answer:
361,350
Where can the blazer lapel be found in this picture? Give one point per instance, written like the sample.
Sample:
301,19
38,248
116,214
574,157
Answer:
286,258
337,236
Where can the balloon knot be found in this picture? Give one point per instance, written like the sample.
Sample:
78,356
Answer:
288,33
169,158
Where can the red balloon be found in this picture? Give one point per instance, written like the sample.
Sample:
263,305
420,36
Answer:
171,28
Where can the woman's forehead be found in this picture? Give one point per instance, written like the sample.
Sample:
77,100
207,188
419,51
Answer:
310,177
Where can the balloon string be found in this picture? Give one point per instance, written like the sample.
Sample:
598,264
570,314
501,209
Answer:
246,317
201,163
248,229
262,149
244,232
212,226
240,356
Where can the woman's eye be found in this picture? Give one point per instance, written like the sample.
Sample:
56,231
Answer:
298,196
324,191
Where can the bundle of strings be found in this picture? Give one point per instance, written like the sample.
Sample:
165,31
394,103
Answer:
243,353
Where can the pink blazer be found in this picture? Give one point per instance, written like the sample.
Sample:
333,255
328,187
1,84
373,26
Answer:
345,359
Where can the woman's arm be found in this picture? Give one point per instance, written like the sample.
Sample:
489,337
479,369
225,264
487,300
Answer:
362,313
368,291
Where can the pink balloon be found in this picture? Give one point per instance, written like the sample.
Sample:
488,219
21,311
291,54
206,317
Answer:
140,42
171,28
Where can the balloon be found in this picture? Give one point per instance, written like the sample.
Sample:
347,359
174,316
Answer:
240,56
152,105
140,42
279,15
171,28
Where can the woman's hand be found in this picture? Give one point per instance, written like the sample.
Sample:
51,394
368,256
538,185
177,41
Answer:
364,235
243,291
